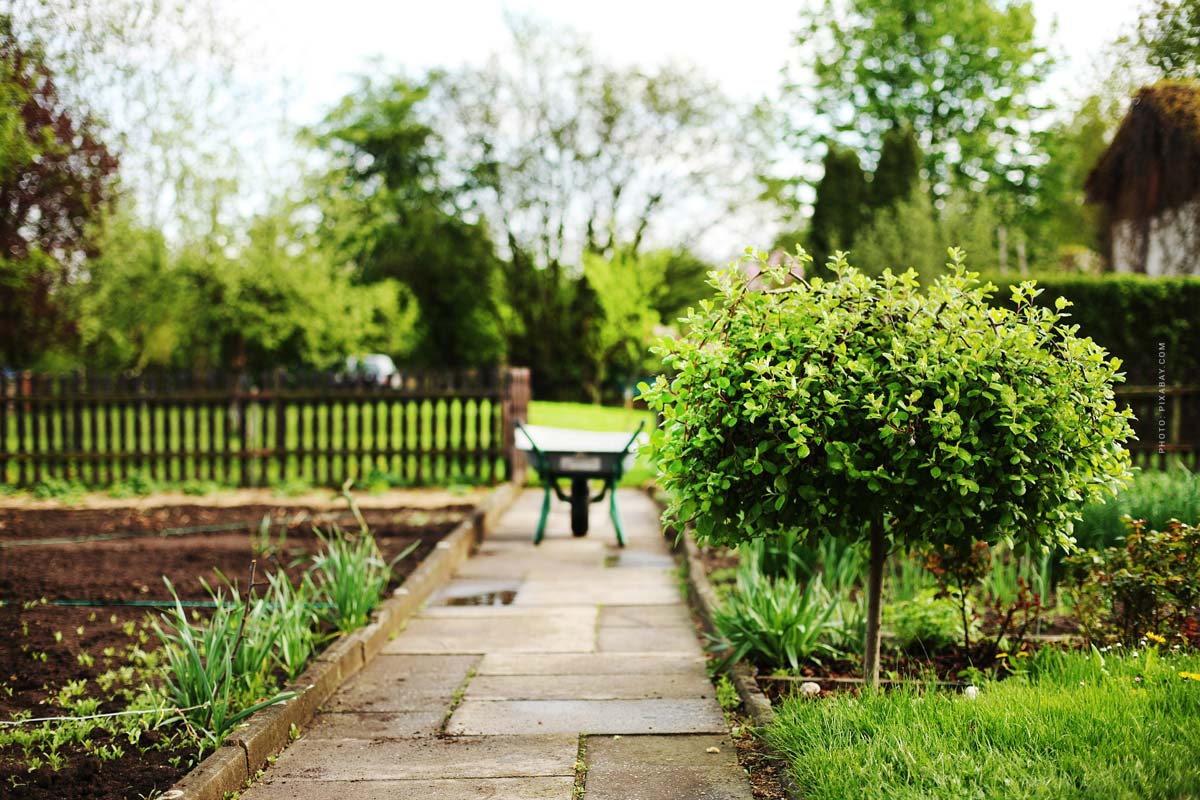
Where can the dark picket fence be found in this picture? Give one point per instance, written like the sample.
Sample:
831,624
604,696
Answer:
1167,425
417,428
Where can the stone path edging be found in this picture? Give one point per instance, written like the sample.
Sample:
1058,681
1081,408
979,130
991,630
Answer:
268,732
704,600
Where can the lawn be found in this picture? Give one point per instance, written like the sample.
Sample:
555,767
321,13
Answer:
1069,725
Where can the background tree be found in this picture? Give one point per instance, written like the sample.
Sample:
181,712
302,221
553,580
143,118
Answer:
1169,34
55,182
1061,219
873,410
639,297
167,83
840,206
387,209
563,155
281,300
904,235
961,73
898,174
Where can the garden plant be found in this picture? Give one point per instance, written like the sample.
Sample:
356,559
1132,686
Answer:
875,410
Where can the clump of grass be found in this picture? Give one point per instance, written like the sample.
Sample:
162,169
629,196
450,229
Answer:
292,487
1156,497
135,484
350,574
198,488
295,620
217,669
66,491
1067,725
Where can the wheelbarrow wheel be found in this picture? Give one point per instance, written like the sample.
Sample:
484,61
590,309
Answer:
580,500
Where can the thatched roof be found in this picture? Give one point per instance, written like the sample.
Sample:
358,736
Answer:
1153,163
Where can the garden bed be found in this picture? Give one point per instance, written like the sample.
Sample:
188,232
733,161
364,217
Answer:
107,564
1074,719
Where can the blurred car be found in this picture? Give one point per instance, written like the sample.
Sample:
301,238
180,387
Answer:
376,368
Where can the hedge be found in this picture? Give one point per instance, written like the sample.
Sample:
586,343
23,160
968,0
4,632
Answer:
1130,315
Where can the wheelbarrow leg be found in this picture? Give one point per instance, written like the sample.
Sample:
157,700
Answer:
612,510
541,528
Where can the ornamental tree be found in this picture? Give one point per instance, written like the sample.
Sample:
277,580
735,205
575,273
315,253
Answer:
873,409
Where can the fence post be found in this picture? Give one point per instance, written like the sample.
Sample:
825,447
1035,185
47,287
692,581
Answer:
280,428
515,405
241,407
4,428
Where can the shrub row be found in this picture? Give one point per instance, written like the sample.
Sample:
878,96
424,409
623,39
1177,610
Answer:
1130,315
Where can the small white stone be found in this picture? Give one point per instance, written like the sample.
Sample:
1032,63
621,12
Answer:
810,689
971,692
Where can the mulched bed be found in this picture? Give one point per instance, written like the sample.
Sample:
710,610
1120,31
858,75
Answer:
765,770
131,566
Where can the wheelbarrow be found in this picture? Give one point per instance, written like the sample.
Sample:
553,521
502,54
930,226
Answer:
580,457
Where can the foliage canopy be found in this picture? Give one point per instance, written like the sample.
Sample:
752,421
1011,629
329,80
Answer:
826,405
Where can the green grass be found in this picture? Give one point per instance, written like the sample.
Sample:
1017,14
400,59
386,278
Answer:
587,417
1153,496
597,418
1075,725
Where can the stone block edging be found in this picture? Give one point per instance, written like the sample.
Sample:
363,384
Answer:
267,732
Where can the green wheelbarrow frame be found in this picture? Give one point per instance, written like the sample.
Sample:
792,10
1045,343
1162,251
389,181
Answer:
580,467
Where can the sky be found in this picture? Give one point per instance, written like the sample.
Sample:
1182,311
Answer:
319,47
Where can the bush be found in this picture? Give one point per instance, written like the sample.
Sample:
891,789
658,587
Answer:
869,409
52,488
1148,587
926,624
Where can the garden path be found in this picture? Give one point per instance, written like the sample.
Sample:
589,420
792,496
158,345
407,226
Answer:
581,669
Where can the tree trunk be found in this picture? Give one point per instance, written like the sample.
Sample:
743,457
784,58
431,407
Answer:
879,551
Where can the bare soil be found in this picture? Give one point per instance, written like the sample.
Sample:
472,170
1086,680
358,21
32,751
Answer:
41,643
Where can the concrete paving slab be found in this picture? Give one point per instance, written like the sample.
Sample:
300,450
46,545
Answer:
568,549
665,751
589,687
643,616
527,788
590,664
662,767
602,575
571,630
541,680
377,724
428,758
674,639
483,612
404,683
650,557
496,717
565,593
668,783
